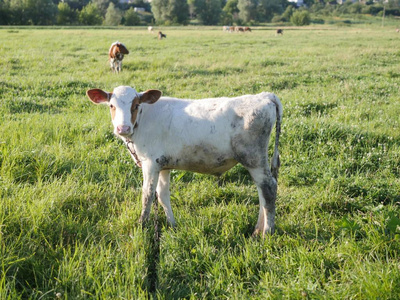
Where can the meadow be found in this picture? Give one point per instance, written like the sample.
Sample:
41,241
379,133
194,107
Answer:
70,194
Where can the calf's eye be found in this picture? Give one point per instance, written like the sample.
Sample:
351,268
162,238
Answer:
135,107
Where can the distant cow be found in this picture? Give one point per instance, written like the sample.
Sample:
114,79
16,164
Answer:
397,30
228,28
161,35
239,29
207,136
150,29
116,55
279,31
247,29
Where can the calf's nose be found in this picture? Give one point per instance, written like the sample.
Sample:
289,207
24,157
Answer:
123,129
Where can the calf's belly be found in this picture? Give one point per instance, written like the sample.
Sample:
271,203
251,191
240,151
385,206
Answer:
204,159
214,167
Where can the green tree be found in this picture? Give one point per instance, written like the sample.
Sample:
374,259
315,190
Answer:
5,13
300,18
192,9
77,5
32,12
208,11
65,16
16,16
113,16
90,15
102,5
170,11
230,12
231,7
268,8
43,12
180,11
131,17
288,13
247,10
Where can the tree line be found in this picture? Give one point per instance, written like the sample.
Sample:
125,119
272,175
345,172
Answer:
174,12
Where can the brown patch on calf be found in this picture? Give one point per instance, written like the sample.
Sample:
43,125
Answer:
111,53
117,48
122,49
112,111
149,97
134,109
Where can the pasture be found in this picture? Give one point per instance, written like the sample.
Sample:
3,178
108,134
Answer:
70,194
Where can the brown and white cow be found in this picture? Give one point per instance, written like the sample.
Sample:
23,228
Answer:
207,136
239,29
247,29
116,55
161,35
228,28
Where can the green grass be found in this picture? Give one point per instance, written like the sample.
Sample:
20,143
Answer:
70,194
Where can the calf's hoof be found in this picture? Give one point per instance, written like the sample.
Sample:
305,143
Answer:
259,232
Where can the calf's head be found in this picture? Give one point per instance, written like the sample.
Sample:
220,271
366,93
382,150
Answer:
124,103
117,51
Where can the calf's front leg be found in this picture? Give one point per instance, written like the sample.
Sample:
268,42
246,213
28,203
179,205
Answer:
164,196
150,180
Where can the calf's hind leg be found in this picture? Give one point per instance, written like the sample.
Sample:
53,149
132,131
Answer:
267,189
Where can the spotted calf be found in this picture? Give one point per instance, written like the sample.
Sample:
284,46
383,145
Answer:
207,136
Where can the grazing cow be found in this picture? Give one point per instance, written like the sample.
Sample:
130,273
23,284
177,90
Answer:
279,31
228,28
161,35
150,29
207,136
247,29
239,29
116,55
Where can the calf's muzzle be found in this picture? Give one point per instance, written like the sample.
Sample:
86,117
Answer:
123,130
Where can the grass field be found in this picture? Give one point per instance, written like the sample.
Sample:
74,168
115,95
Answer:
70,194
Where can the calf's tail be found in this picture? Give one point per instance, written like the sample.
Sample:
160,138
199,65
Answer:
275,161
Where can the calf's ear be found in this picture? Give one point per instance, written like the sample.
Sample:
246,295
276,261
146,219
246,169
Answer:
98,96
150,96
